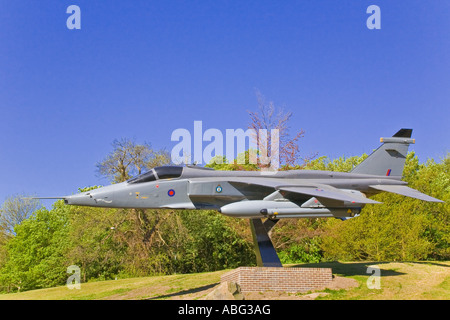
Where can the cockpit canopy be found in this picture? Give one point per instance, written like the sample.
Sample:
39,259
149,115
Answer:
165,172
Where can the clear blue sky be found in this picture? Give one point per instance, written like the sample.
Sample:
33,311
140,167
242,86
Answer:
141,69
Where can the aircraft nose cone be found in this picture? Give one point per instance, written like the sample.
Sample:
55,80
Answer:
79,200
102,197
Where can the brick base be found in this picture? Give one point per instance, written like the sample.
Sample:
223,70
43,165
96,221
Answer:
252,279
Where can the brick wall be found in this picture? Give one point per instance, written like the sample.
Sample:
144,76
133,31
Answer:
279,279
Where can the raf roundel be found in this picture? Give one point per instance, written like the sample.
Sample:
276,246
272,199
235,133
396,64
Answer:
171,193
219,189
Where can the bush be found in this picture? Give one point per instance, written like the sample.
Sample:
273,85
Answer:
308,251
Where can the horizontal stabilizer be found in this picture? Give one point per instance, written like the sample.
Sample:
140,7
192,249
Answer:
405,191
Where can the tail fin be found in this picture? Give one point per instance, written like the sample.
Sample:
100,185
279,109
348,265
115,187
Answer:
389,158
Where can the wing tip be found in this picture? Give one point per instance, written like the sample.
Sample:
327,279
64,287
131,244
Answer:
406,191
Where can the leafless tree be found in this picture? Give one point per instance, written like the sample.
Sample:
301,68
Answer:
269,117
129,158
16,209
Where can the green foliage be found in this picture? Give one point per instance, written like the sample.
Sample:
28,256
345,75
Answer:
86,189
242,162
109,243
214,243
341,164
379,236
307,251
400,228
94,247
106,243
36,253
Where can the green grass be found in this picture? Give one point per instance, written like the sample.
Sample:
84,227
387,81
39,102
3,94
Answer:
399,281
159,287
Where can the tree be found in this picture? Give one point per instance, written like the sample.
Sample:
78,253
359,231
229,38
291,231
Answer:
268,118
341,164
241,163
129,158
95,247
35,255
3,241
15,210
400,228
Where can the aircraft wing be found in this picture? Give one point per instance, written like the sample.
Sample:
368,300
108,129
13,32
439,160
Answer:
310,189
405,191
328,192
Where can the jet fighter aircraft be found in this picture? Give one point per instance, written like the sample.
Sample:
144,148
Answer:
253,194
264,198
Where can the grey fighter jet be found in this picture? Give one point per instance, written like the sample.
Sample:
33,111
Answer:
254,194
258,195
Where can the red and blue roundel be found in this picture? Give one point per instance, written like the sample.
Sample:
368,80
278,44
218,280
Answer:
171,193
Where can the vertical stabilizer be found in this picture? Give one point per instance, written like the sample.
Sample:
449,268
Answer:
389,158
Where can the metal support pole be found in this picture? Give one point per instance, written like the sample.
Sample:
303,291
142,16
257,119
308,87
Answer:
266,256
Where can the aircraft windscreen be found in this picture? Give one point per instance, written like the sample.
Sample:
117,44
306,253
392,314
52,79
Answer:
145,177
167,172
